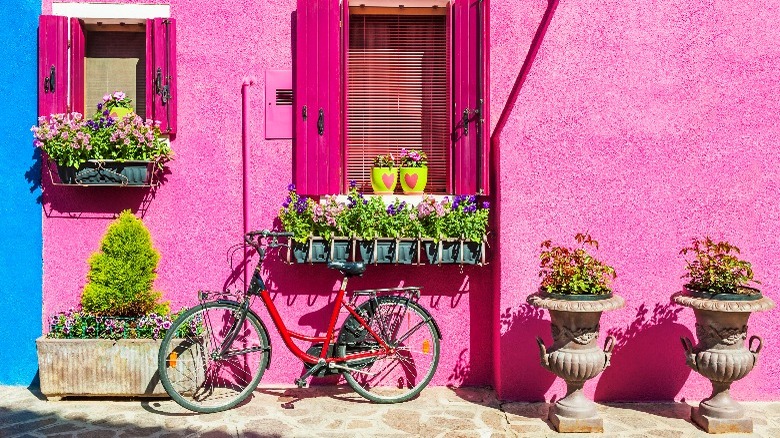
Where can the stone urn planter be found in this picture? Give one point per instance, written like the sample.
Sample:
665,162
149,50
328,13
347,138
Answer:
575,355
721,355
99,367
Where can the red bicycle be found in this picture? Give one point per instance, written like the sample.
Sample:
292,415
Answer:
214,355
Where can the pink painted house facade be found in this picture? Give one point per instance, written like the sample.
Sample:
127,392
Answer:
645,124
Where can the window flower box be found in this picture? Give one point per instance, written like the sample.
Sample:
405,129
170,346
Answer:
386,251
115,147
108,173
451,251
319,250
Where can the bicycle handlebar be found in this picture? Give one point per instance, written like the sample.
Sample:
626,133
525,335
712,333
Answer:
249,238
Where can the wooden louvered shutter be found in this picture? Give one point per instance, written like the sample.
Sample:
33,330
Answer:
318,98
161,85
470,120
52,65
398,91
78,45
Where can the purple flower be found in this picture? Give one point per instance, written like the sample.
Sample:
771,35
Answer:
100,107
486,204
352,184
106,113
291,187
472,199
166,325
391,210
287,202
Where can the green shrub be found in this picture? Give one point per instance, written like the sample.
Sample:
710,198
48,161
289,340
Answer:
121,275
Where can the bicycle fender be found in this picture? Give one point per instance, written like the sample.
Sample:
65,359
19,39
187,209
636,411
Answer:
262,325
435,324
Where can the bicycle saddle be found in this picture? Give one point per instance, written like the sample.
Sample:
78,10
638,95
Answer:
349,269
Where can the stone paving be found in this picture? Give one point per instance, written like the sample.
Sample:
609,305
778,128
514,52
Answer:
338,412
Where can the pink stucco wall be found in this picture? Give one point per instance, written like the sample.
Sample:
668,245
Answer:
196,216
643,123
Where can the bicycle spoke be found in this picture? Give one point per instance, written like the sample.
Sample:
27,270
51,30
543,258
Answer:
194,373
402,374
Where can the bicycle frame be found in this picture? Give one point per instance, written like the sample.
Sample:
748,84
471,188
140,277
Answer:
257,288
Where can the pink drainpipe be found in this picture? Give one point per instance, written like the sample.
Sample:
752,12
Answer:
248,81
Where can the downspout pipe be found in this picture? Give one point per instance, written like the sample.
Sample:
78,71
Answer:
529,61
247,82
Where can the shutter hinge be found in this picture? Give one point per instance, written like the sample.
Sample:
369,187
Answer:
70,43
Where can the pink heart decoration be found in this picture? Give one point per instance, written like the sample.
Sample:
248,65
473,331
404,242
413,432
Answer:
388,179
411,180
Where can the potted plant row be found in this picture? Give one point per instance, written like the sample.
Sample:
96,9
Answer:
113,147
413,173
109,346
576,290
366,229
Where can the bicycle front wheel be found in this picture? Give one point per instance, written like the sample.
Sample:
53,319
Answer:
410,331
197,366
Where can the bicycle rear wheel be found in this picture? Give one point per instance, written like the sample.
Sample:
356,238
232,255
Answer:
194,370
410,330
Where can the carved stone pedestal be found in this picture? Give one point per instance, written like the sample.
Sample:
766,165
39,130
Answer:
722,357
720,425
566,424
575,357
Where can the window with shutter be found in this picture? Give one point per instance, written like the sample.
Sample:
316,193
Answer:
395,76
106,55
398,90
52,65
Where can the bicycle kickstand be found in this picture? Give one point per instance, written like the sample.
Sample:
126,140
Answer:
301,382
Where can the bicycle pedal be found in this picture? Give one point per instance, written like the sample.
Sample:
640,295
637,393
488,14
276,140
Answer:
301,383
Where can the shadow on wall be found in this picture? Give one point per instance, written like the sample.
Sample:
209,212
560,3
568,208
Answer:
647,353
94,202
33,175
519,329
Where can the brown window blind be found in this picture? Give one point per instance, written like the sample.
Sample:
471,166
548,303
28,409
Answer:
398,93
116,61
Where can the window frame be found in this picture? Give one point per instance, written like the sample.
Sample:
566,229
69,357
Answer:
156,18
318,155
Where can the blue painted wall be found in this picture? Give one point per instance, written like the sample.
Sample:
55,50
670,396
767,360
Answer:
20,208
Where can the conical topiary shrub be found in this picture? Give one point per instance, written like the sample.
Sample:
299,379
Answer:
121,275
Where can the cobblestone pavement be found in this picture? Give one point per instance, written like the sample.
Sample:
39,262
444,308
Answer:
338,412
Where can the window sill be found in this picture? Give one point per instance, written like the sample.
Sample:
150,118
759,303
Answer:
412,200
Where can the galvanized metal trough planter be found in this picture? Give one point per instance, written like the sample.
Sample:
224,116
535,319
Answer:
99,367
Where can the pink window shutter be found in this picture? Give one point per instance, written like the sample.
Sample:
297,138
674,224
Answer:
470,95
52,65
161,57
77,55
318,98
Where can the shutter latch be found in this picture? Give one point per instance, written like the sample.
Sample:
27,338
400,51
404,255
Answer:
465,120
48,82
304,113
321,122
